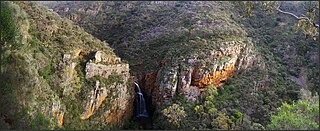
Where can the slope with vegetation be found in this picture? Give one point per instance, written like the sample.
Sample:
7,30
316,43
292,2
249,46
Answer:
173,48
195,43
201,65
54,75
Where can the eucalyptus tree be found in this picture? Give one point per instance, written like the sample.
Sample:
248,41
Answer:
308,21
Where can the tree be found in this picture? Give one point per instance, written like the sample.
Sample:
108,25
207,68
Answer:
307,22
171,117
301,115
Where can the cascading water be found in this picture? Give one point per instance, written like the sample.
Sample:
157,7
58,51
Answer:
141,109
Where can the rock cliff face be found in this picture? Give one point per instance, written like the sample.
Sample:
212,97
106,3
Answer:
236,58
117,94
195,73
191,75
64,77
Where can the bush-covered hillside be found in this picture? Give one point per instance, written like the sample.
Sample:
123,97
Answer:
146,33
44,82
200,64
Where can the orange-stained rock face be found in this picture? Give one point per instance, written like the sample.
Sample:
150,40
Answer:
115,115
88,113
214,78
61,119
95,102
58,112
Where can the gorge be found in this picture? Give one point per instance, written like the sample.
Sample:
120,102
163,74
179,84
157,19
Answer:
162,65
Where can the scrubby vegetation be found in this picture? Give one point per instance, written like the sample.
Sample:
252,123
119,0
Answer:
250,100
39,51
280,90
303,114
167,31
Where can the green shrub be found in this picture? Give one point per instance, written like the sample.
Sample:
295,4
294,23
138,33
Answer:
222,121
173,116
7,25
236,114
40,122
301,115
46,72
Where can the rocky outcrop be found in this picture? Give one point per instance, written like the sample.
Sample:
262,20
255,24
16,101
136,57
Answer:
104,65
186,89
100,56
115,96
225,64
190,76
96,99
109,96
93,69
73,17
58,111
193,74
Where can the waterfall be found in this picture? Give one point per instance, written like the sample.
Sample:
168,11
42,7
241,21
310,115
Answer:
141,110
